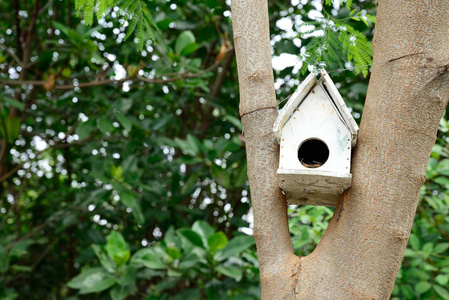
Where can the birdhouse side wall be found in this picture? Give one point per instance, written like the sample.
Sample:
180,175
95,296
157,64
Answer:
316,118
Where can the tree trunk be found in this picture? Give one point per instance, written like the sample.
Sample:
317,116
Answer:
361,252
258,112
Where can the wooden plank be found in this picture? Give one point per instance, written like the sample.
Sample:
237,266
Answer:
341,105
295,100
313,187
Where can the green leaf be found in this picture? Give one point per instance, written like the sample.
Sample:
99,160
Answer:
92,281
20,249
189,49
441,291
132,26
230,271
422,287
13,102
8,294
203,229
119,293
21,268
188,294
407,291
105,124
103,257
235,246
167,284
184,40
4,259
66,72
124,121
173,273
174,252
117,248
242,176
421,274
124,105
348,4
129,164
428,267
192,237
190,147
129,276
170,238
188,261
215,290
427,248
221,176
12,126
440,248
117,172
194,143
89,12
442,180
130,200
442,279
189,185
235,121
149,257
85,129
217,241
414,242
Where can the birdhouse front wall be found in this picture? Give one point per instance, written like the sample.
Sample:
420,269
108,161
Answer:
314,122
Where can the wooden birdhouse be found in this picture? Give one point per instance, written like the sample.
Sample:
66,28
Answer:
316,133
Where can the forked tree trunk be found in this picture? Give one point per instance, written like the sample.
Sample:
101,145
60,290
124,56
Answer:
360,254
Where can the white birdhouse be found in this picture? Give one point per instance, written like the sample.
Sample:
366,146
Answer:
316,133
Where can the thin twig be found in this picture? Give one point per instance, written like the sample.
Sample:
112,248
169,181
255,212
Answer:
13,55
46,6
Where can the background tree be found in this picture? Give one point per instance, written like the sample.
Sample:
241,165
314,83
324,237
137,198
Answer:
114,160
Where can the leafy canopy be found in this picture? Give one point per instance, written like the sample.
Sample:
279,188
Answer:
136,16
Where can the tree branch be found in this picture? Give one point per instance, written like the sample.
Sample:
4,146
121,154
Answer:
256,85
185,75
206,114
13,55
359,256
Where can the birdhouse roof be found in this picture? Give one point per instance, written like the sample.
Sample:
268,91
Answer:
334,97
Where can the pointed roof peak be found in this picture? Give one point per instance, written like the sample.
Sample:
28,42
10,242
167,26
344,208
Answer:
302,92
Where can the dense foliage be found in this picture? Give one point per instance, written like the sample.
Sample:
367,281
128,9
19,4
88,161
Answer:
122,171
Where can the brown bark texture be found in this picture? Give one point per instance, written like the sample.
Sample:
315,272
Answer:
258,111
360,254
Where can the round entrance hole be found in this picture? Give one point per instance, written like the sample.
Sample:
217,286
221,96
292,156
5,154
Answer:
313,153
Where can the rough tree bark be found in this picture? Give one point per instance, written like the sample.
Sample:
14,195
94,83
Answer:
360,254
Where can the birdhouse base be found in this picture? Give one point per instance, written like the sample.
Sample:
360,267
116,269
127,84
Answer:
313,187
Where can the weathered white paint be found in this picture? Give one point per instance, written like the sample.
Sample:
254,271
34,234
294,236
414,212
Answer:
315,111
313,187
316,118
340,105
293,103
